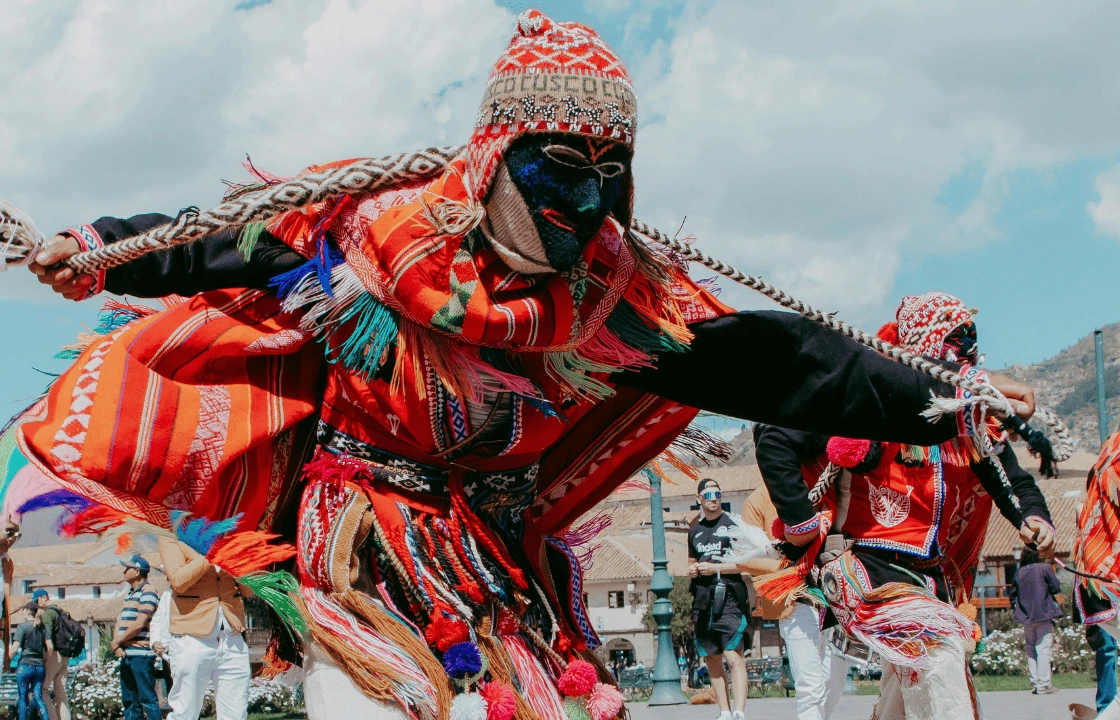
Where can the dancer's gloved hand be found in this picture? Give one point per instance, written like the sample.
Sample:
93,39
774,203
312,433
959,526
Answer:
1020,394
60,278
1038,533
835,545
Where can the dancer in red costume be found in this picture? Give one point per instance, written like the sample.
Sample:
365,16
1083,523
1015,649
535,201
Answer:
442,377
905,526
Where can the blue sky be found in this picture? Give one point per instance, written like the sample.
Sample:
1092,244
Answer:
848,152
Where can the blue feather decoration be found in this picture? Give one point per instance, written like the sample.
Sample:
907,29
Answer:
202,534
55,498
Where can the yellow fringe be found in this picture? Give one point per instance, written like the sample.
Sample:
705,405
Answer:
397,633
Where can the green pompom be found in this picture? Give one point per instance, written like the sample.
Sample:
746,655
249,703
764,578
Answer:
576,710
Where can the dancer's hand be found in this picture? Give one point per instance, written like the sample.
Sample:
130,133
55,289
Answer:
61,279
692,571
1040,534
1020,394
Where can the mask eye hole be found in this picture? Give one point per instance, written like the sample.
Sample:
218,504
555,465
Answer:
566,156
611,169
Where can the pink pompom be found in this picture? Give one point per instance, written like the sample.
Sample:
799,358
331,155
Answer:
501,700
846,452
578,679
605,702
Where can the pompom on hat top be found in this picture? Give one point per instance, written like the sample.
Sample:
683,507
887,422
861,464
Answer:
553,77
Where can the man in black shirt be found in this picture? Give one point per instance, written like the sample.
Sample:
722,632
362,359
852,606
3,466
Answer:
720,612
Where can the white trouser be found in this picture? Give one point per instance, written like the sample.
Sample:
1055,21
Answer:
328,694
942,692
1112,710
55,682
1039,638
818,671
222,657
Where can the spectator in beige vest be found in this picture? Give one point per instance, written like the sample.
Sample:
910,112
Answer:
207,644
817,670
8,537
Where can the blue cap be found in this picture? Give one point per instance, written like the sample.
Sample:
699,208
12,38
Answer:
38,594
139,563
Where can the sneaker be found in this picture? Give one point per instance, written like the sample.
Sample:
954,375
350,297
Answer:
1046,690
738,716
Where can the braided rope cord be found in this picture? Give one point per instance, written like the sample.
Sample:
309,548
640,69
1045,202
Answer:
1063,448
826,480
986,394
360,177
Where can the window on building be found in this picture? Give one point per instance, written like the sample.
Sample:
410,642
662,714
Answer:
96,591
585,599
726,506
28,587
62,593
616,599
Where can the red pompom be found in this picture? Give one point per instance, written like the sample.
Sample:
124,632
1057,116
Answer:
501,700
778,529
443,632
579,679
847,452
888,333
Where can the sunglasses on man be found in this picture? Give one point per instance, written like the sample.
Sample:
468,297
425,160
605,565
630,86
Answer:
711,494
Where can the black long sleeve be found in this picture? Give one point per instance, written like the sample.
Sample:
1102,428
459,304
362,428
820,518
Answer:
781,369
771,367
780,453
1023,486
208,264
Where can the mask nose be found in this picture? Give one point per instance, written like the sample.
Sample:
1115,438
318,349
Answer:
587,198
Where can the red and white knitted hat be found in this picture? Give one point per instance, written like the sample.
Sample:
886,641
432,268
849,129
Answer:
553,77
924,321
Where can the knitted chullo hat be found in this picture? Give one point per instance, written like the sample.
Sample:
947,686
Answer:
924,321
553,77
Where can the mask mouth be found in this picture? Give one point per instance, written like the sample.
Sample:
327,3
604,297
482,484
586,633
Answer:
961,344
558,219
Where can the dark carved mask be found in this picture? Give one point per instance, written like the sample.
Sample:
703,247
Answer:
569,184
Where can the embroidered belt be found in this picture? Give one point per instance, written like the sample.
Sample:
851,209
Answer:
426,479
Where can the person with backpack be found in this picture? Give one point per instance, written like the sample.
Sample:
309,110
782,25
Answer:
29,641
60,632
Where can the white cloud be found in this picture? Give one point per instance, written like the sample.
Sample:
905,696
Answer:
835,127
1106,211
122,108
805,143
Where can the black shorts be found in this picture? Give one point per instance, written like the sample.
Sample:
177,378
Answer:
728,631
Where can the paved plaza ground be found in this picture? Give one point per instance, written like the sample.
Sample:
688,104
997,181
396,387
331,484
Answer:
995,706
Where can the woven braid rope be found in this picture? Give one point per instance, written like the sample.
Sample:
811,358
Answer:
360,177
381,173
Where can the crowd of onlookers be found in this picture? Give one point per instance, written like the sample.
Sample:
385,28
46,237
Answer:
185,640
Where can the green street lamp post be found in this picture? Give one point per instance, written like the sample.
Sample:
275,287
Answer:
666,674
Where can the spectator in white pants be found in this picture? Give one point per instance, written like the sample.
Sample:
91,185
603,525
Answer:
207,624
818,672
